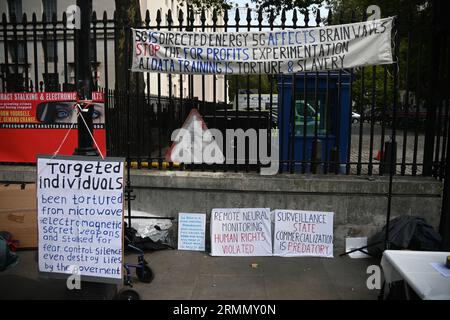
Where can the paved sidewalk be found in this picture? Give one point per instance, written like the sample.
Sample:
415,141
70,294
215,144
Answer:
196,275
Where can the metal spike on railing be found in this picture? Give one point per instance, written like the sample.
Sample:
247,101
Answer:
260,16
94,18
271,18
306,13
44,18
33,18
214,17
24,18
13,17
225,17
318,17
147,18
169,18
294,18
249,16
54,20
180,17
283,18
64,19
236,17
4,22
203,16
191,16
330,17
158,17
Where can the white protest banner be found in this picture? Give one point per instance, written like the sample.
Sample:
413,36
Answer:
80,216
191,231
263,52
241,232
303,233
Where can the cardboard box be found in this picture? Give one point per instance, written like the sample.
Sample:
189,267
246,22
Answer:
18,214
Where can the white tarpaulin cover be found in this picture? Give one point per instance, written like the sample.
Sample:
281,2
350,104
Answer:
155,229
263,52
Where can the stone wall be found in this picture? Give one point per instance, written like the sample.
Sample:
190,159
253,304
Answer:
359,202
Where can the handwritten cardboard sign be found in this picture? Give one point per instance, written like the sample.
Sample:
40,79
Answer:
303,233
191,231
241,232
80,216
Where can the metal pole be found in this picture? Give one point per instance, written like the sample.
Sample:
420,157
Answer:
85,144
444,225
431,108
84,76
393,157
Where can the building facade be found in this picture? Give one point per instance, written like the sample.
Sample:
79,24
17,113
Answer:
203,86
40,56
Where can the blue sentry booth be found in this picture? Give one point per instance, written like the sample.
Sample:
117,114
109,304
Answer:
333,118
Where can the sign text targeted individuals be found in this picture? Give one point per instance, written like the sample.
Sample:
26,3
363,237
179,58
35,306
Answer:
80,216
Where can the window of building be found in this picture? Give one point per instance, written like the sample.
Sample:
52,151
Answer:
49,8
15,8
309,113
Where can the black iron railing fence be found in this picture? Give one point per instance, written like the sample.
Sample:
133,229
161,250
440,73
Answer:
409,98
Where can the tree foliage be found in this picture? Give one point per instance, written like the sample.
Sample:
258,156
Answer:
413,21
218,5
413,26
373,77
278,5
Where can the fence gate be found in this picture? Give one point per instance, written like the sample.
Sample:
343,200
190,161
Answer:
37,54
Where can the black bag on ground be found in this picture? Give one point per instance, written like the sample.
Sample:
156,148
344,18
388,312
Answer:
405,232
141,243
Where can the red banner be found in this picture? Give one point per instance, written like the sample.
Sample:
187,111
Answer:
34,123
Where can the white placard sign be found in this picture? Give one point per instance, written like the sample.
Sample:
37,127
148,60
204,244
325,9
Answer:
303,233
191,231
80,216
241,232
330,47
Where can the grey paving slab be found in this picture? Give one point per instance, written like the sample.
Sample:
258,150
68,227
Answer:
201,276
184,275
230,287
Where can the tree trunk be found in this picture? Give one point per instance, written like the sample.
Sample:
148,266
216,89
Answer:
128,14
